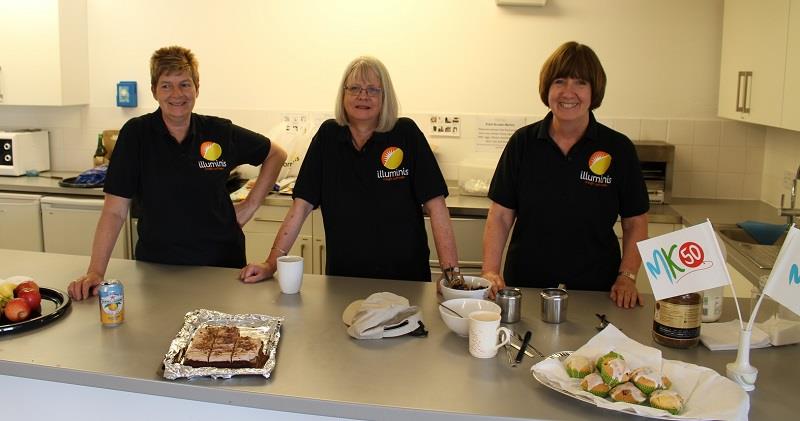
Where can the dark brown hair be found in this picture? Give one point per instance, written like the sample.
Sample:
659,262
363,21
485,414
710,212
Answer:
575,61
173,59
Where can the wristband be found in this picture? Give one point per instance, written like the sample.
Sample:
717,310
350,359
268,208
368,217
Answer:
629,275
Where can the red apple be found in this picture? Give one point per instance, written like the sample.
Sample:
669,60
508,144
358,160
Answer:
17,310
32,296
26,284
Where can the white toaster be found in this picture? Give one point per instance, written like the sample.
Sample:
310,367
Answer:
24,150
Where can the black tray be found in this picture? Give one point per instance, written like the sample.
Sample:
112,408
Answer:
54,304
70,182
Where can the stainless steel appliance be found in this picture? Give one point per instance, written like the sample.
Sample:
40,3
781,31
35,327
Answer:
24,150
657,158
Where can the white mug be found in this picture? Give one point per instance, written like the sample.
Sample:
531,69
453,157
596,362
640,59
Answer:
290,274
484,332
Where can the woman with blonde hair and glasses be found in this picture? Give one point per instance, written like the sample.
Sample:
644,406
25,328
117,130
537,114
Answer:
372,174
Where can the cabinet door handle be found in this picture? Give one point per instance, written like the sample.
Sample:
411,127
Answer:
302,249
263,220
748,79
1,84
739,81
321,263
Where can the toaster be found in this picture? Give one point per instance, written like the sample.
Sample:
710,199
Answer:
24,150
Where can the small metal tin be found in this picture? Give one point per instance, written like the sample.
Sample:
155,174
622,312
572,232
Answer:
112,300
554,305
510,302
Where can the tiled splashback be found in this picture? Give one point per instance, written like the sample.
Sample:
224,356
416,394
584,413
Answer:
719,159
713,158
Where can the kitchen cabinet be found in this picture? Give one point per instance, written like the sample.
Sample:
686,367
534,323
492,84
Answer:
44,59
260,234
20,222
791,91
68,226
753,60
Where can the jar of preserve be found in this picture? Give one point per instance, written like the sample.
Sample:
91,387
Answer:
676,322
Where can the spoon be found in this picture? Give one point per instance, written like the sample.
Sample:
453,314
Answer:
451,310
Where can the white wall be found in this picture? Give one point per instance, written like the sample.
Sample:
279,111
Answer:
464,56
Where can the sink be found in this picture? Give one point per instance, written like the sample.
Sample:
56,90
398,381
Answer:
763,256
737,234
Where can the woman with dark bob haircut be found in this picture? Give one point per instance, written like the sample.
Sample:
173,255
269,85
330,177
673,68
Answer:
562,183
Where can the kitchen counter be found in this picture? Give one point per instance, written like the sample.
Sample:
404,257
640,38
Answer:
320,369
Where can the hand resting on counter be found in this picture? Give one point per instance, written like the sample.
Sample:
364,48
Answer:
255,272
624,293
85,286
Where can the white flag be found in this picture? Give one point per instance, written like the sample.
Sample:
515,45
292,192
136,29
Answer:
783,284
684,261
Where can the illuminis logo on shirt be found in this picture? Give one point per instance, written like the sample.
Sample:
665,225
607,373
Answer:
211,151
391,158
599,163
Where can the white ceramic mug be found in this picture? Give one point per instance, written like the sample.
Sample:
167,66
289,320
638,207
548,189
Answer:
484,333
290,274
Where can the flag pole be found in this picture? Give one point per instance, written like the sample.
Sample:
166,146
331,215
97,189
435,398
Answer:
730,281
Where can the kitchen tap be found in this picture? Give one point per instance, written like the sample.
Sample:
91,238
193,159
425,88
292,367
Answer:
791,213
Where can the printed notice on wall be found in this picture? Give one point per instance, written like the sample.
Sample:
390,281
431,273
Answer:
493,132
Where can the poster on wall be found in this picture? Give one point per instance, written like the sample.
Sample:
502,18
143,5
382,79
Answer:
493,132
444,125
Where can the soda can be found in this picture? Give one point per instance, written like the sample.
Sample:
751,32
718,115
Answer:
112,299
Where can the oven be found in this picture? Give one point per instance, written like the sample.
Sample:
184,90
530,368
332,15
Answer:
657,159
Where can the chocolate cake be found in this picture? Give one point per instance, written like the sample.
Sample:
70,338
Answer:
224,347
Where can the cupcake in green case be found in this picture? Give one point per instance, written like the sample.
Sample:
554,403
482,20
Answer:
606,357
615,371
627,392
578,366
646,379
667,400
595,385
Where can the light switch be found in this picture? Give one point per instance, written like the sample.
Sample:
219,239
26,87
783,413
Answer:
126,94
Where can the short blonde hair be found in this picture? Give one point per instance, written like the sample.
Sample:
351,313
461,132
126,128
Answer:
173,59
577,61
360,68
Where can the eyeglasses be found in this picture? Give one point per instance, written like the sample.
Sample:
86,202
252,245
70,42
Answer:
355,90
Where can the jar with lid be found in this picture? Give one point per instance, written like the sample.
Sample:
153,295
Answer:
712,304
676,322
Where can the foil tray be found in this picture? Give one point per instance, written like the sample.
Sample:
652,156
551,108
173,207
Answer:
267,328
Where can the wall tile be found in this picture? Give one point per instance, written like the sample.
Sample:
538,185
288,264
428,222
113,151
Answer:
755,136
730,185
681,184
732,160
751,187
654,130
734,134
705,158
680,132
629,127
683,157
704,185
755,161
707,132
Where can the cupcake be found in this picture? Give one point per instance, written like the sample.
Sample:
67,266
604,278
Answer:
606,357
594,384
646,379
667,400
627,392
578,366
665,382
614,371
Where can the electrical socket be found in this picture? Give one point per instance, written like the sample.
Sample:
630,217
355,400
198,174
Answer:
788,179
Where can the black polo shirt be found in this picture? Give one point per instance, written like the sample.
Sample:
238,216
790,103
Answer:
566,206
372,199
187,217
